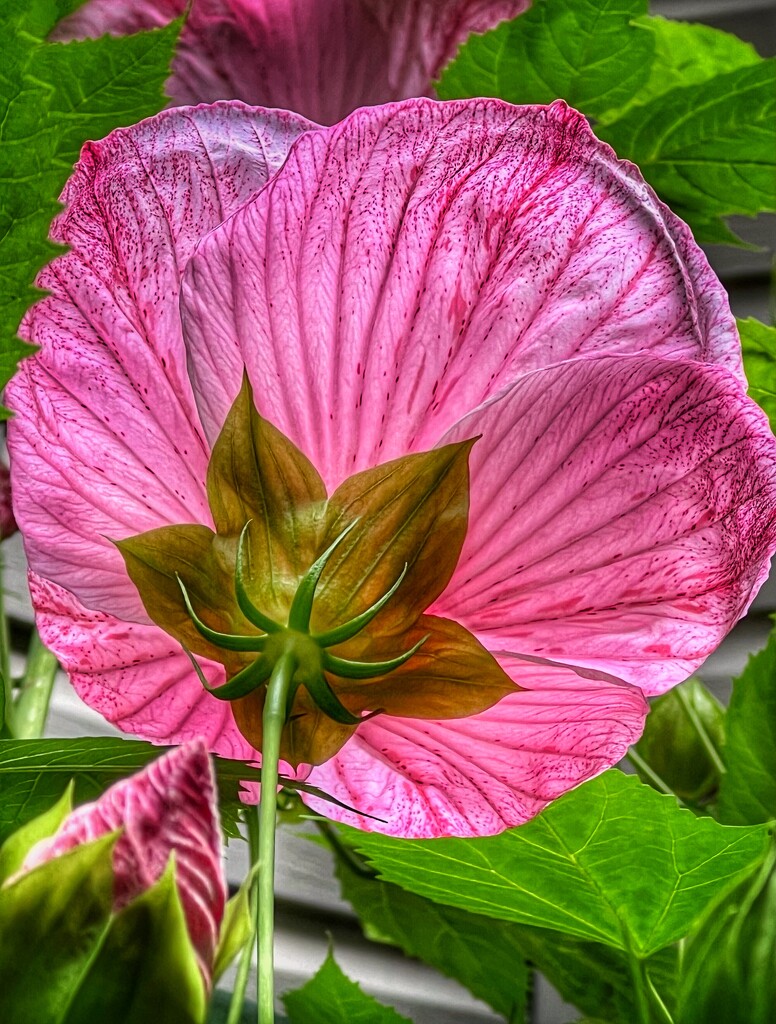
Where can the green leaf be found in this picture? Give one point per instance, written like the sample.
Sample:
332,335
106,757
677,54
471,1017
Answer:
53,96
331,998
19,843
488,957
707,149
759,347
584,51
685,54
729,963
34,774
748,790
483,955
53,921
146,968
612,861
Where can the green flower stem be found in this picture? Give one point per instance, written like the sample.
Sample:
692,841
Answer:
640,987
273,721
663,1013
244,967
638,762
700,728
32,704
5,657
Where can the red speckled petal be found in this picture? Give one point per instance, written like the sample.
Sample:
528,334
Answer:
168,808
409,263
477,776
106,441
623,514
135,675
322,58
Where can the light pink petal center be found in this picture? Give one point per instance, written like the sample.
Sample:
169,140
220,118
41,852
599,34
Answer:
408,264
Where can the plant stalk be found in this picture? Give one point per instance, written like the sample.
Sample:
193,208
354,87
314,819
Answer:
5,658
700,728
638,762
31,708
640,986
273,721
237,1001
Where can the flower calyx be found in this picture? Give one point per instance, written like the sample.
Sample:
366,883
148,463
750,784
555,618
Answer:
334,587
308,651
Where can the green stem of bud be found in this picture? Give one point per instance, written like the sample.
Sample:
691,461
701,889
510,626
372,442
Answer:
700,728
273,721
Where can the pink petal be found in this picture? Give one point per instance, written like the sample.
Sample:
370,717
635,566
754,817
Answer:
323,58
409,263
622,516
168,808
477,776
106,441
135,675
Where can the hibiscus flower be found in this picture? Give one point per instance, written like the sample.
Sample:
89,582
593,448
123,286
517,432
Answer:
419,275
322,58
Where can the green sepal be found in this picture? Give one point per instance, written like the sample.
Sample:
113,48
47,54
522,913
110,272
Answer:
412,513
157,559
326,700
228,641
340,634
302,605
253,614
368,669
19,843
246,681
54,920
146,968
258,474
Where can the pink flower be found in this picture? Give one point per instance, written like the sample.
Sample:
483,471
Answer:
322,58
420,273
168,808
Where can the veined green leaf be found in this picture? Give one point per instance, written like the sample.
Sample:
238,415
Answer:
331,998
613,861
34,774
488,957
758,342
16,847
584,51
686,54
707,149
